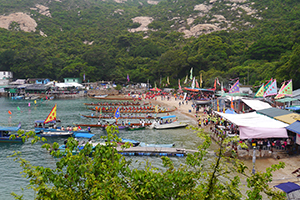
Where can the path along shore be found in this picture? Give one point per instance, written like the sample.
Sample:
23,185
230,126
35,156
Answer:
280,176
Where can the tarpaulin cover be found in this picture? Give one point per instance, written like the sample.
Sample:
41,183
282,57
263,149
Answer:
247,132
295,108
273,112
289,118
286,99
83,135
288,187
253,125
294,127
229,111
256,104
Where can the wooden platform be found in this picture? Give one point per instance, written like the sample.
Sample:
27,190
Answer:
154,151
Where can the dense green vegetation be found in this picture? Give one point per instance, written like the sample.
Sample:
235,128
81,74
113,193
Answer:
103,173
268,47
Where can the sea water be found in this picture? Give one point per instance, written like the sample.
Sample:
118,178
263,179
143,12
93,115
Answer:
69,112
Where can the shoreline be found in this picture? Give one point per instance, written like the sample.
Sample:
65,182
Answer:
279,176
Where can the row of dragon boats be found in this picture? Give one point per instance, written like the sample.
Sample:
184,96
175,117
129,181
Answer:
50,127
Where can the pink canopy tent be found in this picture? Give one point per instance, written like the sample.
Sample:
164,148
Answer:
155,89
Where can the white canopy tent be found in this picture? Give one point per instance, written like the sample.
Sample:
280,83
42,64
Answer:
65,85
253,125
256,104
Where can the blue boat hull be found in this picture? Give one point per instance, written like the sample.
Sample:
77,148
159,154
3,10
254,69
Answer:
8,140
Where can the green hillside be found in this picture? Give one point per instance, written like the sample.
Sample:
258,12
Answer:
253,40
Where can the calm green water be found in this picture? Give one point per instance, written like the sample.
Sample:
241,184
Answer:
69,112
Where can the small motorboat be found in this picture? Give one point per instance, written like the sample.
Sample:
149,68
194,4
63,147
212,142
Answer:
56,134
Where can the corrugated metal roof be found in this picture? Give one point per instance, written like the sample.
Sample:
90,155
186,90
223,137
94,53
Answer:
273,112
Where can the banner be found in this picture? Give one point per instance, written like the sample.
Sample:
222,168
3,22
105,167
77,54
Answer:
191,75
235,88
272,90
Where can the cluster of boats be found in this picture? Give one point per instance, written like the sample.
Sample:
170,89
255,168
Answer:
52,127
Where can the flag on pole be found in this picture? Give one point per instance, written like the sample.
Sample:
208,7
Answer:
231,104
191,75
179,86
193,83
201,80
84,77
288,89
128,78
185,81
280,95
218,106
51,116
218,81
197,85
168,81
215,85
260,92
272,90
267,85
117,113
285,90
235,88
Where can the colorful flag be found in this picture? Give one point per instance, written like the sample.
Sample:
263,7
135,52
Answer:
191,75
185,81
168,81
288,89
280,95
215,85
272,90
267,85
156,108
117,113
193,83
218,81
84,77
197,85
179,84
231,104
201,80
235,88
260,92
218,106
128,78
51,116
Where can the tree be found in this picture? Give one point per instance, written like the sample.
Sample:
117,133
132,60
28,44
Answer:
103,173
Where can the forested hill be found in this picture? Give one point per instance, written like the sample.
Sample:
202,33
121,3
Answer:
254,40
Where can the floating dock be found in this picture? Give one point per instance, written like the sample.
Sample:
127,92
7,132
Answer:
154,151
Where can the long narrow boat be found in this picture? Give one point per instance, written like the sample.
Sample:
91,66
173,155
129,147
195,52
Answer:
115,104
128,117
113,98
134,111
120,126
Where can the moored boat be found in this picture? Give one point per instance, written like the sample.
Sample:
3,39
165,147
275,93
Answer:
6,132
169,123
125,117
115,104
56,134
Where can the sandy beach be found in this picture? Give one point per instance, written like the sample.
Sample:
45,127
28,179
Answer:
280,176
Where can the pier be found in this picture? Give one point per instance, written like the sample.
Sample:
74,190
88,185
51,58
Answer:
154,151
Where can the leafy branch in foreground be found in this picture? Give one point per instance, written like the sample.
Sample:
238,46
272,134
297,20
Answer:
102,173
